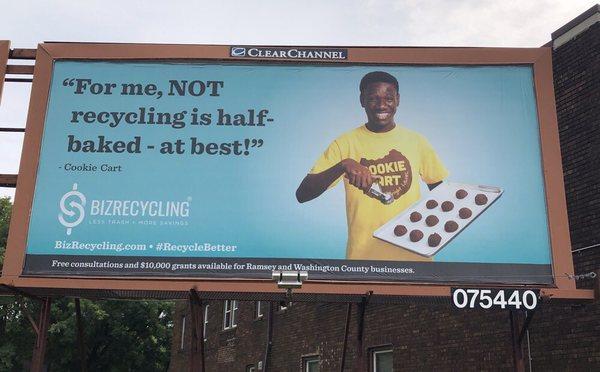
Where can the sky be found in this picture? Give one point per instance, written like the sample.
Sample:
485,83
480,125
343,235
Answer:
472,23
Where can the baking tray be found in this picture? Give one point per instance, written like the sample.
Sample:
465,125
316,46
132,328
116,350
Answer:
446,191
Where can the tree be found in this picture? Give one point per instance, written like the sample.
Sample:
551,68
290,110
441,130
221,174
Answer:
15,331
5,210
119,335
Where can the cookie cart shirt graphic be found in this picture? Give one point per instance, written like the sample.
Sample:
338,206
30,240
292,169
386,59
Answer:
401,157
394,170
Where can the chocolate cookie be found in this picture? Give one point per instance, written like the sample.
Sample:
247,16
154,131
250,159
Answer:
400,230
447,206
431,204
465,213
450,226
481,199
415,217
461,194
434,240
416,235
431,220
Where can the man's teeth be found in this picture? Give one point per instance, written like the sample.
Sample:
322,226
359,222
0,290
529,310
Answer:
383,115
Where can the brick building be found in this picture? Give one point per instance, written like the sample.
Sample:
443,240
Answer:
427,336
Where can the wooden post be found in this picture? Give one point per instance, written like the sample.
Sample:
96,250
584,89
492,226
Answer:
197,339
362,363
80,336
39,350
346,331
597,286
516,324
269,346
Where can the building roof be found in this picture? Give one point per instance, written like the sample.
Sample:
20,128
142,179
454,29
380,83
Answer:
576,26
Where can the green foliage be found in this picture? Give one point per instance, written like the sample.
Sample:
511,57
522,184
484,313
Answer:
16,334
5,208
118,335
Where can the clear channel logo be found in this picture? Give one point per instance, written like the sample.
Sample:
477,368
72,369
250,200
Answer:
72,210
238,52
302,53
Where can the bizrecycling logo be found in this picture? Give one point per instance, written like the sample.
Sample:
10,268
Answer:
71,206
74,207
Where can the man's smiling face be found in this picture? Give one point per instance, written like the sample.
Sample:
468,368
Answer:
380,101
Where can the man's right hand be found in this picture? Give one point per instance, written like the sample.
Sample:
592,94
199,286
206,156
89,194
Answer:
314,185
357,174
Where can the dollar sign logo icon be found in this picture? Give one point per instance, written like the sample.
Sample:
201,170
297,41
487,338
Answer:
71,206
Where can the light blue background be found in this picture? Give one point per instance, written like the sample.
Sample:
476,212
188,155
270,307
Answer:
481,120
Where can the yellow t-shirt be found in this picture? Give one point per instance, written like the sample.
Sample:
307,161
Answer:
401,157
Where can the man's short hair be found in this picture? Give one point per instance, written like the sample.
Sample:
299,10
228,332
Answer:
377,77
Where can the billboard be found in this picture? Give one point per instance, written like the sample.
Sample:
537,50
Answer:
352,164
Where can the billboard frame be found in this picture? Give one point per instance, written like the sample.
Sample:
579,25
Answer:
540,59
4,53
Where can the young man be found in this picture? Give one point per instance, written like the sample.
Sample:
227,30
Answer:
379,151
